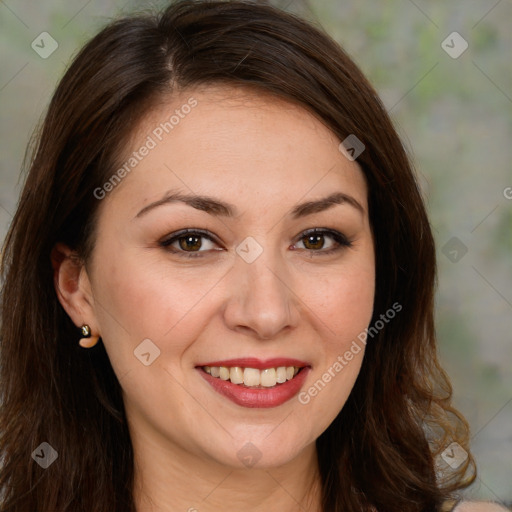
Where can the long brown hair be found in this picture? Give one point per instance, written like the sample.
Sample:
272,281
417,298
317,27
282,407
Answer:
381,450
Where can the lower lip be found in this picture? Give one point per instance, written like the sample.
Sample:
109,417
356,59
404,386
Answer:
257,397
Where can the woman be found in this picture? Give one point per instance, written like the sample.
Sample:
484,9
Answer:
219,284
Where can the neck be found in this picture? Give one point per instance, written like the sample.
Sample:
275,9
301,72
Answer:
171,479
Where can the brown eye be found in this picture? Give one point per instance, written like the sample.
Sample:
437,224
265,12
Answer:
322,241
314,242
190,242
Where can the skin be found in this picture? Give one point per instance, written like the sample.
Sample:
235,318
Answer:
264,156
480,507
288,302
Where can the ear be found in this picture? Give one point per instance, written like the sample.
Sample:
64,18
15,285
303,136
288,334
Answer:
73,287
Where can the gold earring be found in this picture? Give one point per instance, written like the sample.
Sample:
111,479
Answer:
87,341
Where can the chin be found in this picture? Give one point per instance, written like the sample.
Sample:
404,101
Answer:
266,451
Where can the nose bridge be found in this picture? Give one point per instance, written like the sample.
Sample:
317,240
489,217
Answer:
267,280
261,300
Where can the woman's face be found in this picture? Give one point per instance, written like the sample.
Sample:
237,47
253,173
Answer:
250,285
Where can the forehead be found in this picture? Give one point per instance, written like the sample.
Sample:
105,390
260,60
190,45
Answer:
224,140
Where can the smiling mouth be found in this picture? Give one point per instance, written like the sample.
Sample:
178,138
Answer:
252,377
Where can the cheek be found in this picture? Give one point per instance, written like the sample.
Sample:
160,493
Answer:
341,309
327,391
346,312
139,297
343,302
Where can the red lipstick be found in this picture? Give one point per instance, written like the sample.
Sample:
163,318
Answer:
252,362
257,397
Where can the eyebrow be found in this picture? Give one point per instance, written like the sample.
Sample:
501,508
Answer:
216,207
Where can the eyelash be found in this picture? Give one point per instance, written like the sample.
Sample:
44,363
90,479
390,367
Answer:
340,240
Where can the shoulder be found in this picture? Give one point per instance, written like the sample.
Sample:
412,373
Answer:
479,506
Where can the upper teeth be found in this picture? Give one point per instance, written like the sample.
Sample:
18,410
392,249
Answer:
253,377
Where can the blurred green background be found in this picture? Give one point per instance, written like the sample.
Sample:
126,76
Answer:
455,118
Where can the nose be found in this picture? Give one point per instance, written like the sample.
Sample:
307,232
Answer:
261,300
